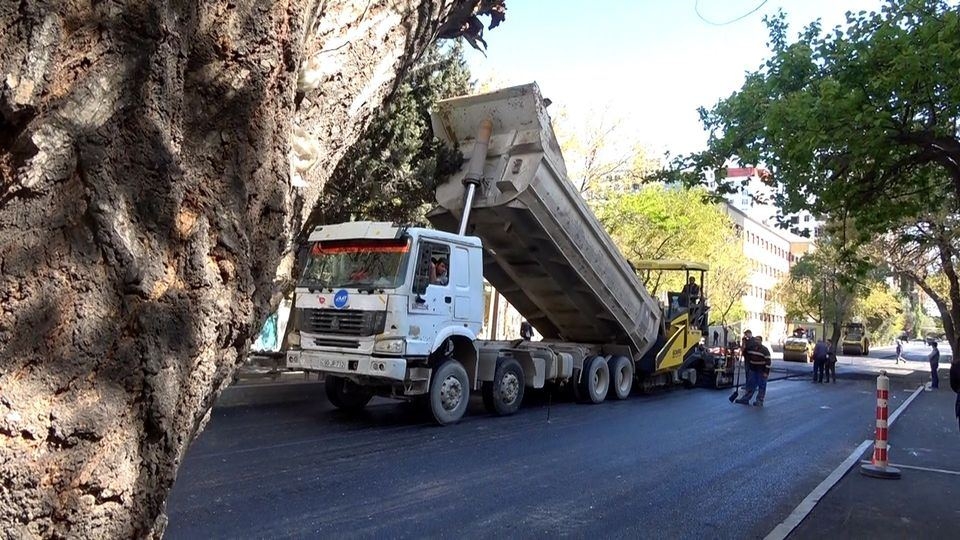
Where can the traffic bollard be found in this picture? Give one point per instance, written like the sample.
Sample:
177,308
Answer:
879,467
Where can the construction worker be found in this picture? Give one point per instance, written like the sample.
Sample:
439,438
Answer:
831,365
934,366
757,359
526,330
690,294
820,353
900,351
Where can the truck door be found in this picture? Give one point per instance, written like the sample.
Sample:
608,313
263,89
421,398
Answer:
432,310
460,281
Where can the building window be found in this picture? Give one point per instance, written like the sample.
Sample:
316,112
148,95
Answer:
806,218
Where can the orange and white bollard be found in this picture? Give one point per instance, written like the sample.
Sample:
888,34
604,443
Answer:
879,467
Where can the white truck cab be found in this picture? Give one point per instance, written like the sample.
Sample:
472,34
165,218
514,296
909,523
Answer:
376,301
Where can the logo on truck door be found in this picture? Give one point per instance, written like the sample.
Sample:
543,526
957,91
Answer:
340,299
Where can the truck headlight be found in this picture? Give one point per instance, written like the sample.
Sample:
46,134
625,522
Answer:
390,346
293,339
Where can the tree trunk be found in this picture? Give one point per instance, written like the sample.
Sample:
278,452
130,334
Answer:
149,158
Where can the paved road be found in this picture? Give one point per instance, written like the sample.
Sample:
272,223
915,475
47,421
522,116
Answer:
681,464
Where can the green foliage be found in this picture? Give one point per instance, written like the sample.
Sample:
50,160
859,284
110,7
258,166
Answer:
658,222
824,286
392,170
858,122
925,252
881,311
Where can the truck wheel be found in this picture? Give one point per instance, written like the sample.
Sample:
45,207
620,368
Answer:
621,375
449,392
346,394
504,394
595,380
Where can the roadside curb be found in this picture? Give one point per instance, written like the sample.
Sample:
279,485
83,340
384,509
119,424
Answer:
807,505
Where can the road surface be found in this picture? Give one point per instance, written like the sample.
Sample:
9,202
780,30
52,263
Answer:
679,464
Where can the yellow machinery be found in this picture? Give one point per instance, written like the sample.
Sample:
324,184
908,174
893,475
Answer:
854,339
799,346
679,351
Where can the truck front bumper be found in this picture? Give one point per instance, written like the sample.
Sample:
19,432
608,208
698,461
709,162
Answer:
348,364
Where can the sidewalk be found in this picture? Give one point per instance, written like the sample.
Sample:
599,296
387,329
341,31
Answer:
923,503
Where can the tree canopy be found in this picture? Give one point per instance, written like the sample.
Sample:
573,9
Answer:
390,173
660,222
858,122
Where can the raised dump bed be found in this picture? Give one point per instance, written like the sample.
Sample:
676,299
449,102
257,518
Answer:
545,251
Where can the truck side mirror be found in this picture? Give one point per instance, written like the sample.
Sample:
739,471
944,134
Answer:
420,283
421,279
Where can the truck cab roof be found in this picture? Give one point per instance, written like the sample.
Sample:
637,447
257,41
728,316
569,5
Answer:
379,230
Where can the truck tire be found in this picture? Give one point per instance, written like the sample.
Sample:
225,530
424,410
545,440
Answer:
621,377
449,392
346,394
595,380
504,394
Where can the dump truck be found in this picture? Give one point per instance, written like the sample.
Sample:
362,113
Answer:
395,311
799,346
854,340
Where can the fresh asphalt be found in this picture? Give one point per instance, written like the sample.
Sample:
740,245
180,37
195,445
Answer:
678,464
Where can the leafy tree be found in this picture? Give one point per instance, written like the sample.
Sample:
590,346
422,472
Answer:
881,312
925,251
859,123
823,286
658,222
391,172
602,158
156,159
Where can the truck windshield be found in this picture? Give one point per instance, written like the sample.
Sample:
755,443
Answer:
360,264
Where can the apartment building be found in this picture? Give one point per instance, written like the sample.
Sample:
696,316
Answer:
770,253
755,197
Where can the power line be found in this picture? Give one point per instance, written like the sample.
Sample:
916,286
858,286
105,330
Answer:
696,8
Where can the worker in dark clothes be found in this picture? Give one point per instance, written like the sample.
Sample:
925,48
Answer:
831,365
690,294
820,353
934,366
757,358
526,331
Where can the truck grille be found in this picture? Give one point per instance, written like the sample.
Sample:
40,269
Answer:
347,322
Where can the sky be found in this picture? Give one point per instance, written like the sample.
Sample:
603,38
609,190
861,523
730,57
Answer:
647,64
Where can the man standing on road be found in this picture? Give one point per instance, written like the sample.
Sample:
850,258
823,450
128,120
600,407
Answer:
757,359
900,351
934,366
831,364
819,360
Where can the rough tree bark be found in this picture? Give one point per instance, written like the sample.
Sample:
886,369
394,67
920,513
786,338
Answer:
150,154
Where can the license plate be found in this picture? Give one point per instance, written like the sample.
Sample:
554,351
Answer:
332,363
